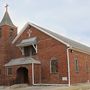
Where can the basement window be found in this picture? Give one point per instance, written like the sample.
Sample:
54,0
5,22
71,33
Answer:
54,66
9,71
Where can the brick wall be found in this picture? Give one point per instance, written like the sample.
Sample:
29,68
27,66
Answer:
83,63
5,50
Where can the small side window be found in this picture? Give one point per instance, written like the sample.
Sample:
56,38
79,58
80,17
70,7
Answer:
9,71
76,65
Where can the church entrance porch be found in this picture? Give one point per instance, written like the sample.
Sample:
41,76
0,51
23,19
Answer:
22,75
23,70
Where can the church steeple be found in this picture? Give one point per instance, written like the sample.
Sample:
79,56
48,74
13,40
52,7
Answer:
6,19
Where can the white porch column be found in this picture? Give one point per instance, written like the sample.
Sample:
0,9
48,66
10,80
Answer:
33,73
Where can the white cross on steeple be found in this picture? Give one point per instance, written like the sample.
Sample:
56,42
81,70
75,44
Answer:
6,7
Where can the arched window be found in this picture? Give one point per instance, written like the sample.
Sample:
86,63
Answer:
54,66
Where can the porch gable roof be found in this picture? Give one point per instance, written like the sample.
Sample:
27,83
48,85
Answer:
22,61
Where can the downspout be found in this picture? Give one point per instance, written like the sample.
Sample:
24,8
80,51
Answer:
68,61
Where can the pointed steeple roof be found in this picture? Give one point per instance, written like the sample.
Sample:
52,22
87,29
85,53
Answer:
7,20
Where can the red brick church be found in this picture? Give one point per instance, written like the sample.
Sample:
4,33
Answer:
40,56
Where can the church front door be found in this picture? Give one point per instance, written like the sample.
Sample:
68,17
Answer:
22,75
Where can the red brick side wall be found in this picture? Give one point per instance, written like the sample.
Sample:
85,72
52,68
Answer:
83,75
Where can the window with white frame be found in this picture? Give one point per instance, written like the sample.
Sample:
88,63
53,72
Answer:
54,66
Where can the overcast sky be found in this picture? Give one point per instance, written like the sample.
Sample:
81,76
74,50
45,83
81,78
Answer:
70,18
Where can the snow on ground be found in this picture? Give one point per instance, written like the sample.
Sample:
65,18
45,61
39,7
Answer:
85,86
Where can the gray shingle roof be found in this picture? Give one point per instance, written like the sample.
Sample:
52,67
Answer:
71,43
7,20
22,61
